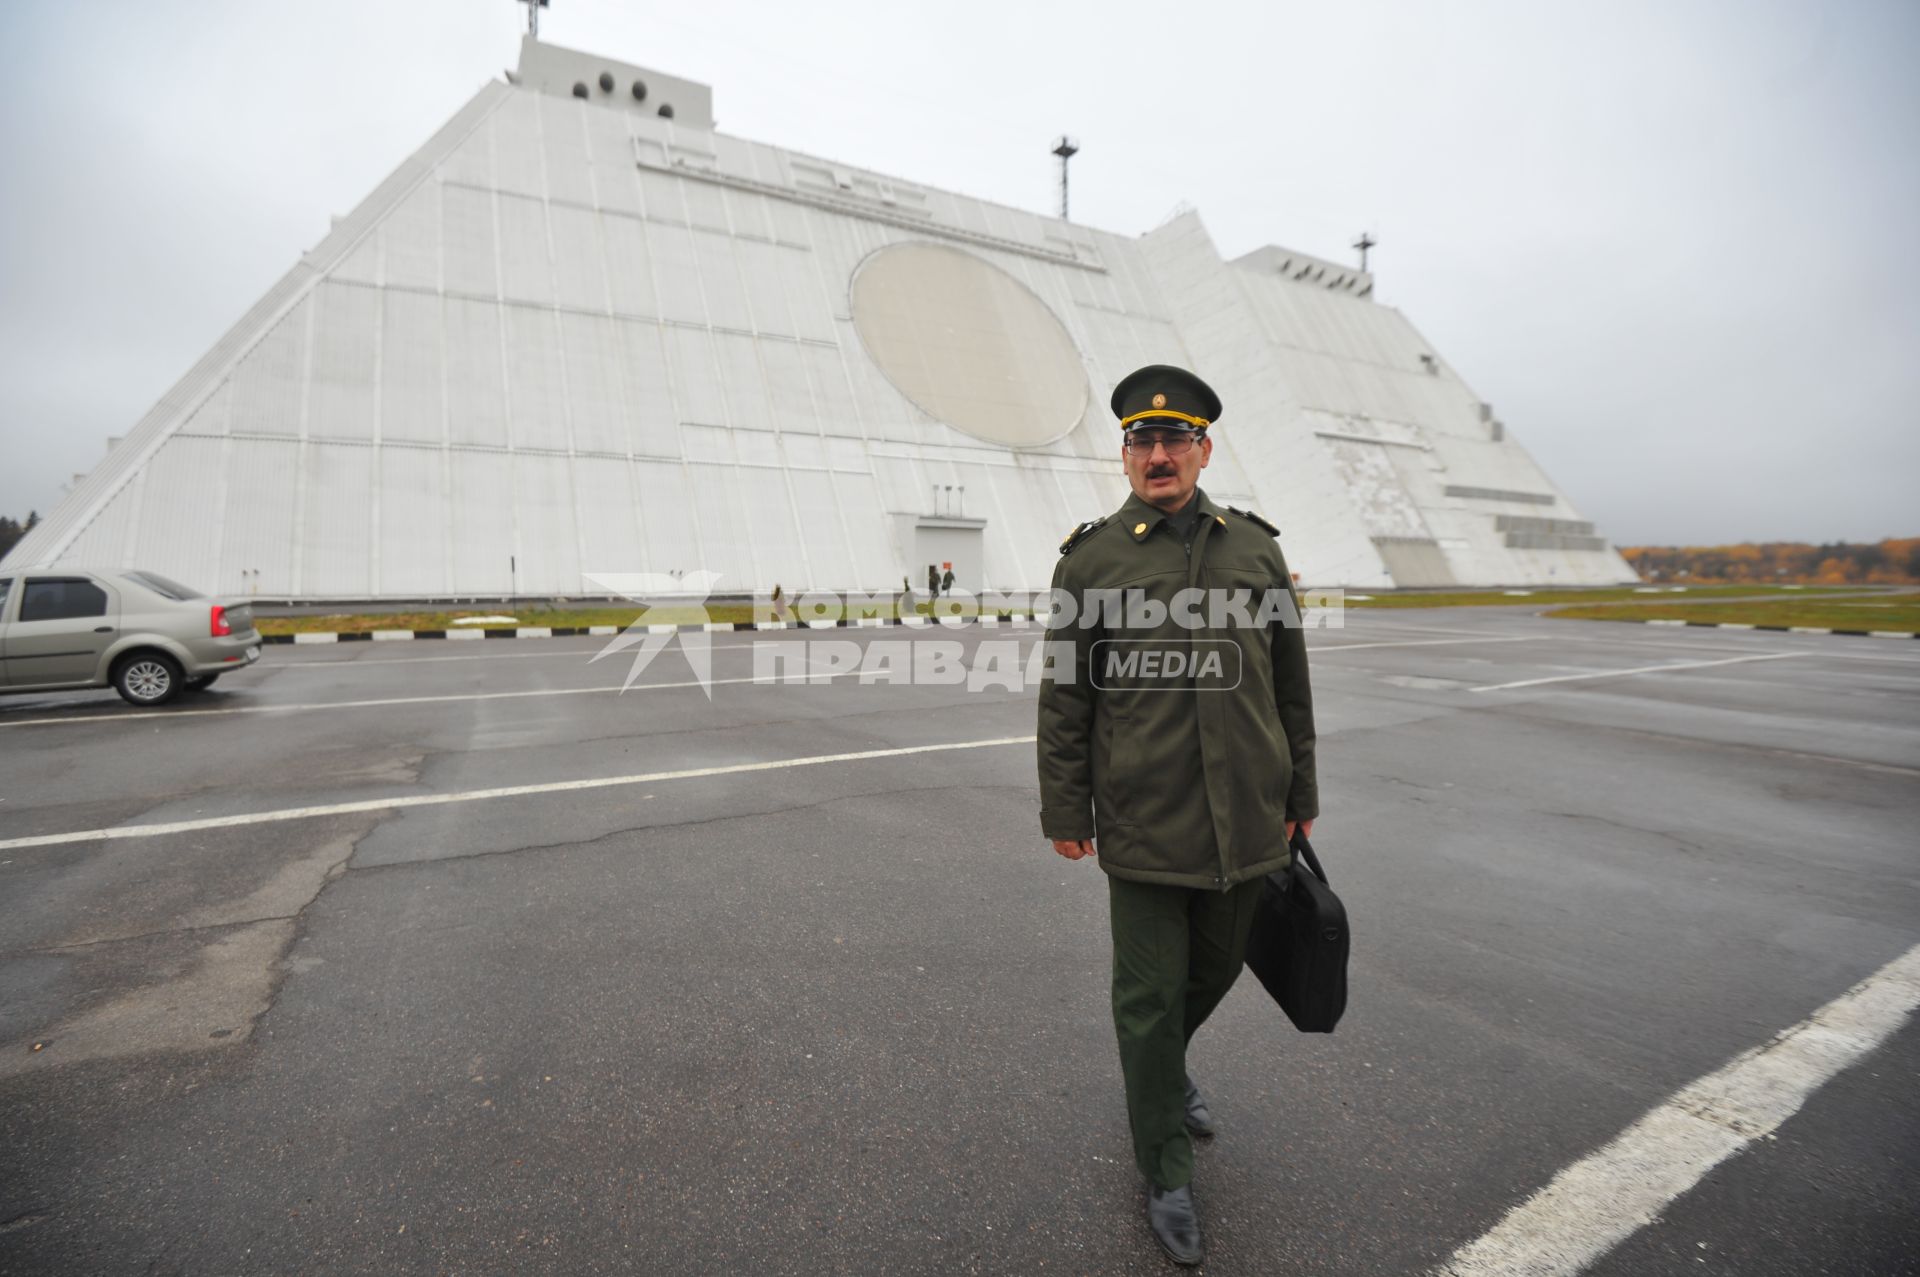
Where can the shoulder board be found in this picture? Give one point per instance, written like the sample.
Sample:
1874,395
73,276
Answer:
1256,520
1080,533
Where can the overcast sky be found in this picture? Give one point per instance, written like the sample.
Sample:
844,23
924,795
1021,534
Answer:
1673,243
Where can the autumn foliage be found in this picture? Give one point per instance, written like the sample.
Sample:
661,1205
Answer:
1889,562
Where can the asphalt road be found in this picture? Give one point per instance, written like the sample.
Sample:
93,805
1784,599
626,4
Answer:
850,1016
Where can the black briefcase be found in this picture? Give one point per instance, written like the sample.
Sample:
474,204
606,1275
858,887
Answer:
1298,946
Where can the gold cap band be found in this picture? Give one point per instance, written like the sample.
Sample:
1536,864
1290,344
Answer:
1198,423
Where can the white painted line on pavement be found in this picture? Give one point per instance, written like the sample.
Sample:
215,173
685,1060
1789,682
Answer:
1641,669
478,795
1606,1197
1355,647
1825,651
1383,613
1827,654
167,716
544,654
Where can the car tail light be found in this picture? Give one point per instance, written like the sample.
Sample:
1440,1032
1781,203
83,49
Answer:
217,626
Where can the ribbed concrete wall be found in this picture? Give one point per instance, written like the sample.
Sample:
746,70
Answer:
568,337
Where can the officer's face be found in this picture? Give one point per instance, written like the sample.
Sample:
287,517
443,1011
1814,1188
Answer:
1161,479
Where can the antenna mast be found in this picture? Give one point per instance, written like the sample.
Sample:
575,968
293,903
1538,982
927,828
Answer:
1066,148
533,16
1365,242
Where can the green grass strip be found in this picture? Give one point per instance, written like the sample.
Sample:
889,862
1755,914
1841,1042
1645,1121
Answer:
1502,598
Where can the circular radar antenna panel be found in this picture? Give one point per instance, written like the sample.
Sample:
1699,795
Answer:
969,344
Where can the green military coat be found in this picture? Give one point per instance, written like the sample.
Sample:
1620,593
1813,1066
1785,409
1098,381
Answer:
1183,781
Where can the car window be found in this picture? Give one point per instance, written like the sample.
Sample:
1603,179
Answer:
61,599
163,586
6,585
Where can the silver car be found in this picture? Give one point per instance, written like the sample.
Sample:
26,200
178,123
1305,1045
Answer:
147,637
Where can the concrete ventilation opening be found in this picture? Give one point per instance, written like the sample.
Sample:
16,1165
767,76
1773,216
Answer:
1412,561
969,344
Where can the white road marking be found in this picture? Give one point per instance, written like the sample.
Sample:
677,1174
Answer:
1886,659
1354,647
480,795
1658,645
569,654
1384,613
1640,669
304,707
1702,642
159,718
1891,769
1599,1201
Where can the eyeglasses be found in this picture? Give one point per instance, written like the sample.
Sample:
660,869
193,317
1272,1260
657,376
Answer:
1141,443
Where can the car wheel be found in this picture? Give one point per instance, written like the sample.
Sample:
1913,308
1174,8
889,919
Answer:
200,682
147,678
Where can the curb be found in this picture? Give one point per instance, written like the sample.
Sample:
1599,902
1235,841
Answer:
1744,625
607,631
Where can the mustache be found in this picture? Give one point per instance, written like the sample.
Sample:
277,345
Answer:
1162,472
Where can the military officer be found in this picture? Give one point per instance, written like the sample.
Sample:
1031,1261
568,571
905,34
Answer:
1185,777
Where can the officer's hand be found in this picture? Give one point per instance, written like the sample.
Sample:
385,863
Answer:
1306,828
1073,848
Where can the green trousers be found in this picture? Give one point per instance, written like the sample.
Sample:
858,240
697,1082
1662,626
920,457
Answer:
1176,952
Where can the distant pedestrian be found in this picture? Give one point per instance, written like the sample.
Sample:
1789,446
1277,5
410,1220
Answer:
946,581
933,580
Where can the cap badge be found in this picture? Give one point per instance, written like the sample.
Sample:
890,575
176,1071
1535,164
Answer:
1159,401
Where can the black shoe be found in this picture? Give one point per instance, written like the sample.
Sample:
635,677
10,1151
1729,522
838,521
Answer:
1199,1121
1171,1220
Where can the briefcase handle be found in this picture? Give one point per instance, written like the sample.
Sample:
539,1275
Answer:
1304,850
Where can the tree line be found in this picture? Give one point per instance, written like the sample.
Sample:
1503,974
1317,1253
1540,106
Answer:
11,530
1894,561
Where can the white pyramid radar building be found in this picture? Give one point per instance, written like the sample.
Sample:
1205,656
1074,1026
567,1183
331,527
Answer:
581,332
